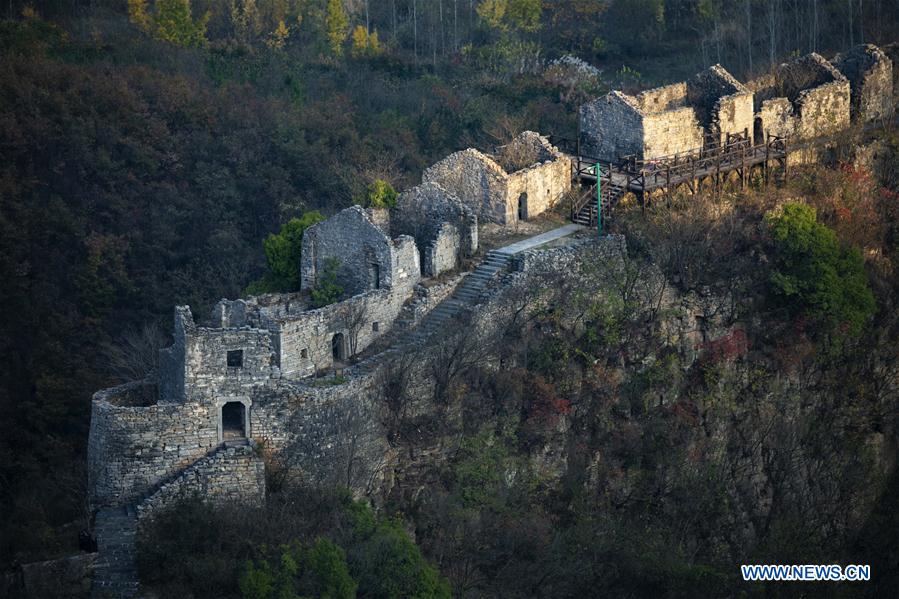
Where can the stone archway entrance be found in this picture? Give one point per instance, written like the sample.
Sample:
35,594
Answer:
523,206
338,347
234,418
234,422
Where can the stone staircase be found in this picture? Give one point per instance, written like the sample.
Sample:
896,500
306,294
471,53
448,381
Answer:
611,194
115,572
465,295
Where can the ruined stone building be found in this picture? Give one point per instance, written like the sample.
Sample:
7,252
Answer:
870,75
218,381
802,99
519,181
248,371
806,98
444,227
668,120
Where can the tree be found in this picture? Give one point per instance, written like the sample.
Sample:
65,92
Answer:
246,20
137,14
813,274
327,290
386,561
502,15
278,37
336,26
282,256
380,194
173,23
354,316
365,43
293,572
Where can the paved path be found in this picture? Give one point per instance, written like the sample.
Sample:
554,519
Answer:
538,240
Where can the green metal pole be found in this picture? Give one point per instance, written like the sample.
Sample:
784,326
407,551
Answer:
598,202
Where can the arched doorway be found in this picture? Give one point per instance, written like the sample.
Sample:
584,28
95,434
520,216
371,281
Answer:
758,132
523,206
338,347
234,421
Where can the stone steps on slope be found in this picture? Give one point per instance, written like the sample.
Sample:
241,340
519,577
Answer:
115,572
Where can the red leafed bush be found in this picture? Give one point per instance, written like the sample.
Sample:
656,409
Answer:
726,348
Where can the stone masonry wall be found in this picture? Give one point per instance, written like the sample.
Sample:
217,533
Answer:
332,432
818,94
132,449
424,209
870,74
207,373
672,132
823,110
474,178
304,346
444,251
723,105
481,183
663,99
363,249
611,127
777,118
543,185
229,475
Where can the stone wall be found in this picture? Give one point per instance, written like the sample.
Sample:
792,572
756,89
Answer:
229,475
823,110
444,228
330,429
672,132
539,187
305,340
363,249
566,258
611,127
444,251
674,119
172,359
776,118
723,105
208,373
662,99
818,94
131,449
870,75
492,192
474,178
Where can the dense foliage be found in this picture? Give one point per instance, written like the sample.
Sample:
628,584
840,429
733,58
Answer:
305,543
172,152
814,275
282,256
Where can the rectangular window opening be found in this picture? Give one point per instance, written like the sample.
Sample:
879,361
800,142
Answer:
235,358
304,353
374,326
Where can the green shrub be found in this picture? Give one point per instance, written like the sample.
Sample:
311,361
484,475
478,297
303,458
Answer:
282,256
293,572
387,563
380,194
327,290
813,275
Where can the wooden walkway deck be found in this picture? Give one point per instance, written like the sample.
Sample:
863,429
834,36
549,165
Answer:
669,173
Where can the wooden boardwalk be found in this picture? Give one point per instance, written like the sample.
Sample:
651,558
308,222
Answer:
664,175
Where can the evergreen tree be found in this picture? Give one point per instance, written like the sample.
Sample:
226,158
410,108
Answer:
336,25
175,24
